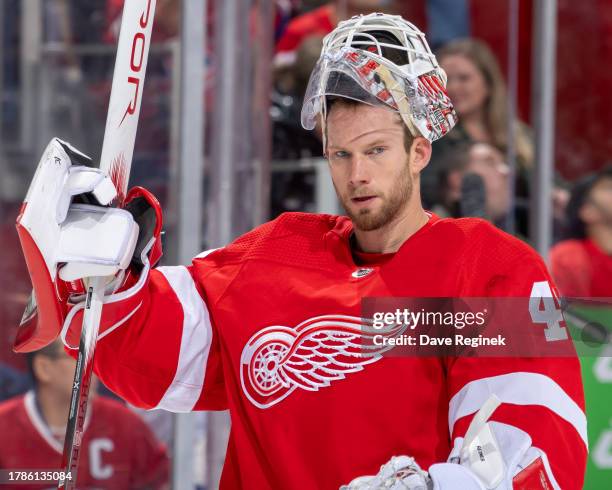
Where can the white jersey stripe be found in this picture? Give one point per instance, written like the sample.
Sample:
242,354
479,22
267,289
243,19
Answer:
39,424
520,388
203,254
185,389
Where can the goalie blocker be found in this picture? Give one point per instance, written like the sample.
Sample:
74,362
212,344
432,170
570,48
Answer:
68,232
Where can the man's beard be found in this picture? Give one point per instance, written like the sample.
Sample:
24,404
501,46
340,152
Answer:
400,193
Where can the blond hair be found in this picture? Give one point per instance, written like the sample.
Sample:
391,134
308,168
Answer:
496,109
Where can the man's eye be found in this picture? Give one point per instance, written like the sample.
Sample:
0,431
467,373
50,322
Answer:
377,150
341,154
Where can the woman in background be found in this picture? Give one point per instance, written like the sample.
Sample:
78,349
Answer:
478,91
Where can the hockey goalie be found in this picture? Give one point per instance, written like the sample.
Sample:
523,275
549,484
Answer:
264,326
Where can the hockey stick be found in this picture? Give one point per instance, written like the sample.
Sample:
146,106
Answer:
116,160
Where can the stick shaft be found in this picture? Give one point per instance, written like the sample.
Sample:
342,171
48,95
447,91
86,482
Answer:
116,160
126,91
82,381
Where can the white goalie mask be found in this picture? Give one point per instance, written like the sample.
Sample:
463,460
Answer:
379,58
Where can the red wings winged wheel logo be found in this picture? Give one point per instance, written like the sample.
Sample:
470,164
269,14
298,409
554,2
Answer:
278,360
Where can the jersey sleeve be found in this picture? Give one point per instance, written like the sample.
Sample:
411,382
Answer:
541,396
160,343
163,349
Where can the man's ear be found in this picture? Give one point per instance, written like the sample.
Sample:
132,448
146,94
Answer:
420,153
40,367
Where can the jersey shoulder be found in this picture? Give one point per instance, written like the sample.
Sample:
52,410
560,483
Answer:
14,421
292,238
478,239
11,409
490,260
568,251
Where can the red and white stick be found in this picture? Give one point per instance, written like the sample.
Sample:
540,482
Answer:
116,160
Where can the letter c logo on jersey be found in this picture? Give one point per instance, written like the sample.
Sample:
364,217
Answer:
278,360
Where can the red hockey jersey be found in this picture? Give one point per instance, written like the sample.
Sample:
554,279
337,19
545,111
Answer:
581,269
232,331
119,450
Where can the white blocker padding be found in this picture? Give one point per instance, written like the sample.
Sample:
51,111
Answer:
62,173
81,180
56,181
95,241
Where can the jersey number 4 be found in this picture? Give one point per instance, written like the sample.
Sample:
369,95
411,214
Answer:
543,309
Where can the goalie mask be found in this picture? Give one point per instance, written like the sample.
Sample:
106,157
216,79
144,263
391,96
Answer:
382,59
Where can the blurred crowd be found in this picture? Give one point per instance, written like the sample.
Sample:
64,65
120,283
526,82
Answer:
119,450
470,174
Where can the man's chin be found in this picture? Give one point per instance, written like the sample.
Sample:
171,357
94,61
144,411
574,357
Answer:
366,220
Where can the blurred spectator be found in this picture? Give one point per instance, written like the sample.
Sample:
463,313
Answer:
475,183
447,20
317,22
118,451
84,24
321,21
284,11
478,91
12,382
582,264
290,140
293,190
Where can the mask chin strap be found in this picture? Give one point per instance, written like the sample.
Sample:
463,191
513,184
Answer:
323,115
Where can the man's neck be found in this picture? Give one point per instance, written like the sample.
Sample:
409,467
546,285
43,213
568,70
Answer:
602,236
54,409
390,237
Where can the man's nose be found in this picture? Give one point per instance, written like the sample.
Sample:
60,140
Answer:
360,172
